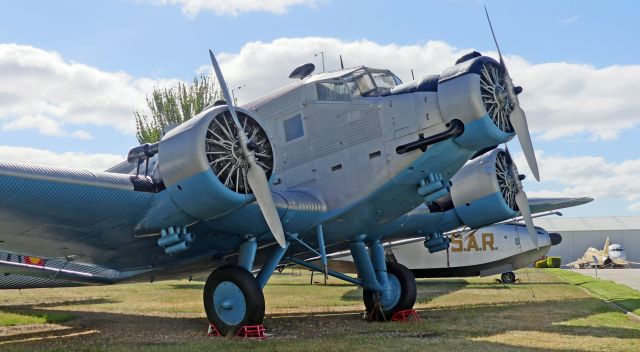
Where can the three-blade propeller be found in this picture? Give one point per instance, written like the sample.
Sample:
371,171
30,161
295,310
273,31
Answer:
519,122
255,175
517,117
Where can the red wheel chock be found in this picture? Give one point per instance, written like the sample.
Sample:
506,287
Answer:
404,315
213,330
255,331
247,331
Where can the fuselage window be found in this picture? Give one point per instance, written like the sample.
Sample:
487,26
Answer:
330,91
293,128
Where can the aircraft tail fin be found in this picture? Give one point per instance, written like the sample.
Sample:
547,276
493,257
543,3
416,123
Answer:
606,246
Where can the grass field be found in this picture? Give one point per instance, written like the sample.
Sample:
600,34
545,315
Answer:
543,313
620,295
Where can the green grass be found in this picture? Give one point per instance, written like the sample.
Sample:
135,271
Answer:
32,317
621,295
474,314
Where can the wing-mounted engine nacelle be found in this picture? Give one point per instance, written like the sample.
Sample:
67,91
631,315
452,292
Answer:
473,92
202,165
483,191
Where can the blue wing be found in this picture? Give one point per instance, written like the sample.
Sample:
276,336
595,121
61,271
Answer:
59,212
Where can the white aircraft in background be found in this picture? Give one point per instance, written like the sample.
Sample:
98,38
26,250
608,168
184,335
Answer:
612,255
495,249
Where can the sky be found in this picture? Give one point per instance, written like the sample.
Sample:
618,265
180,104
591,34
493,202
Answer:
73,72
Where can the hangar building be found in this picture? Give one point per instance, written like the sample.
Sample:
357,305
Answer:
580,233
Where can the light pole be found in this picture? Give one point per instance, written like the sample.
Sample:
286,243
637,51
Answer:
322,55
233,95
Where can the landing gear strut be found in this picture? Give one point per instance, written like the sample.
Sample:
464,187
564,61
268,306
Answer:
233,298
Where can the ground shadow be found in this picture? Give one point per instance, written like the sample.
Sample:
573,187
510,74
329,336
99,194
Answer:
187,287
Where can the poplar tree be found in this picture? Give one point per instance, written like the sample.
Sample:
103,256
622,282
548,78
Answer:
173,106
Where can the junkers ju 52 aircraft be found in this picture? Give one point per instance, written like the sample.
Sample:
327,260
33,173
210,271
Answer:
333,161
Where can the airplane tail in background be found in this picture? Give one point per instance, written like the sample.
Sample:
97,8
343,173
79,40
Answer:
606,246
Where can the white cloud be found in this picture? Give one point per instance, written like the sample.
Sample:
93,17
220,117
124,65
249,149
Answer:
40,90
80,134
44,125
94,162
234,7
587,176
560,99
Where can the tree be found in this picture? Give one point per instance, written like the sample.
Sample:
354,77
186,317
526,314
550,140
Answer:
173,106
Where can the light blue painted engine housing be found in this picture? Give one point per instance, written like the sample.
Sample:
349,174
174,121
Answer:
184,167
476,192
460,97
485,211
482,133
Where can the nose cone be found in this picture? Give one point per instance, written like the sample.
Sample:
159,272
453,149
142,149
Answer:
556,238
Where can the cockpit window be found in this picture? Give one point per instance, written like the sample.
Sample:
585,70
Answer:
333,91
365,84
384,80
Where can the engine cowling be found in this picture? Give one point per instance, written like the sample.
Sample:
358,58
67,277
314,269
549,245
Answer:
201,163
483,191
473,91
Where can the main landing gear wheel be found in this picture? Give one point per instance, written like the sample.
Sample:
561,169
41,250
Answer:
233,298
508,277
400,295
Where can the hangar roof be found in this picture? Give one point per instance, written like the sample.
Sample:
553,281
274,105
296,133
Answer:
609,223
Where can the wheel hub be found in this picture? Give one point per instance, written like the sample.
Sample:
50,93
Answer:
229,303
391,294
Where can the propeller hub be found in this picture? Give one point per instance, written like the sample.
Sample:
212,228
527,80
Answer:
236,151
501,96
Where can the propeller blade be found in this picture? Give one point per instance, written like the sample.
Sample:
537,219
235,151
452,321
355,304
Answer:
517,116
494,37
519,123
255,175
523,205
260,186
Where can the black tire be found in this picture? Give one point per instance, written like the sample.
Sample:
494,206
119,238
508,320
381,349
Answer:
408,291
250,290
508,277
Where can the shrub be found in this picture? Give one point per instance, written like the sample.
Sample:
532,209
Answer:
541,264
554,262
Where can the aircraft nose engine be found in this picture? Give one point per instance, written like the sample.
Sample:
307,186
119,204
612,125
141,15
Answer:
484,191
556,238
475,92
202,164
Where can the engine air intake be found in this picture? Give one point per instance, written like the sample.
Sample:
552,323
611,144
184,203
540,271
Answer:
224,152
495,96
